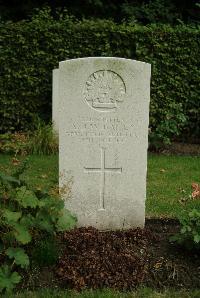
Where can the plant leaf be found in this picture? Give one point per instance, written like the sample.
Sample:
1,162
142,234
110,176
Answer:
27,220
197,238
11,216
9,179
43,220
22,234
27,198
21,258
8,279
66,221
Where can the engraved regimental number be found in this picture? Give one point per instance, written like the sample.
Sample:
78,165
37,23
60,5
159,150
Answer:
103,170
104,90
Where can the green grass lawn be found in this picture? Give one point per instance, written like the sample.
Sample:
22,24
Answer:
42,170
140,293
169,179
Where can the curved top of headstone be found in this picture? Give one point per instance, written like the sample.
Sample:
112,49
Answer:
105,79
112,59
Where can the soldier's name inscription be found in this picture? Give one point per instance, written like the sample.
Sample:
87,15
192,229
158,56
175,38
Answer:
94,129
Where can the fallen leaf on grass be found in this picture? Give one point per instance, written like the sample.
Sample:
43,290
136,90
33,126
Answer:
196,190
159,263
15,161
44,176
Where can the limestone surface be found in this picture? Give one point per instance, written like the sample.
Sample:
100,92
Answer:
103,120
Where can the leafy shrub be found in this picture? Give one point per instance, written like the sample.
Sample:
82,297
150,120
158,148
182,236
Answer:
189,235
43,140
31,49
157,11
24,215
173,120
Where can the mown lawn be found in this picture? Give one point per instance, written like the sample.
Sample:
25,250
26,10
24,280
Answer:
42,171
169,180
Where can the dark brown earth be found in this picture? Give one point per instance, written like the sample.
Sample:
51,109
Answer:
177,148
171,265
121,260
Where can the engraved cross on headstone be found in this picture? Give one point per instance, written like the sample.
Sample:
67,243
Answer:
103,170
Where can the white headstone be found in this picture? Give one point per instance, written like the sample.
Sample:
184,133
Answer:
103,130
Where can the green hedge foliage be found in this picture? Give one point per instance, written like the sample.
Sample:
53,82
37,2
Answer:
31,49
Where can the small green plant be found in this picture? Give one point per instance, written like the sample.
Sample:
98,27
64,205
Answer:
189,235
43,140
25,214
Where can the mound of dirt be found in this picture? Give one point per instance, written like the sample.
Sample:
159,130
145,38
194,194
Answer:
104,259
125,259
121,260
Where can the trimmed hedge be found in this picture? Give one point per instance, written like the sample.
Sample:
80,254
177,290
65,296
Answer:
31,49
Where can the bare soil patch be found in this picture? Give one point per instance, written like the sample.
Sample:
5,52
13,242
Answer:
177,148
121,260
